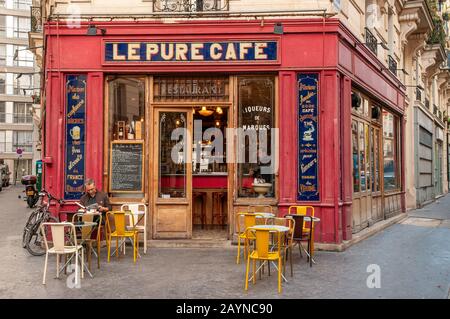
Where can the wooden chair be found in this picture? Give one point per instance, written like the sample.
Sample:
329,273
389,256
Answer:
305,211
87,232
300,235
287,240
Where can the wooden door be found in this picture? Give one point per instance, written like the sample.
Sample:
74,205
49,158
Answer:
362,179
172,168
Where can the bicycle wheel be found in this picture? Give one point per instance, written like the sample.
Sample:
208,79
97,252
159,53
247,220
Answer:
34,216
34,240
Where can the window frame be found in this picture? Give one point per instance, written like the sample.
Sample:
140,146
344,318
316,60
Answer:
239,166
396,152
26,147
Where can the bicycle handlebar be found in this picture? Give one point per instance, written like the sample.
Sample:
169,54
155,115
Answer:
43,192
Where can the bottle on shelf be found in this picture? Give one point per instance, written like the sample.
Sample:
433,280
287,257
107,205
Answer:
121,133
131,131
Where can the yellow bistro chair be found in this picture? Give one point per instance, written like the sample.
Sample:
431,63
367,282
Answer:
121,232
264,252
244,220
305,211
260,209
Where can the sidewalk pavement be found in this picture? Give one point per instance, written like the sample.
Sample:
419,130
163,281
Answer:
413,256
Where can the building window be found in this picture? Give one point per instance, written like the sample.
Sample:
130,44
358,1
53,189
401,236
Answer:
2,112
256,96
172,171
355,152
2,83
2,54
190,5
21,27
22,4
391,151
2,26
24,57
375,158
22,113
3,147
126,113
23,84
425,158
23,140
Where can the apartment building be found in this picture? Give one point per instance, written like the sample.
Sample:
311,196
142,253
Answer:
19,98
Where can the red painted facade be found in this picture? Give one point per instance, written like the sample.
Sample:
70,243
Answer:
325,47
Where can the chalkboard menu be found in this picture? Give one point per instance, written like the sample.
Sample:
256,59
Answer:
126,167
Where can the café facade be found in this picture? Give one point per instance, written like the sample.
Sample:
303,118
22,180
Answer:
307,111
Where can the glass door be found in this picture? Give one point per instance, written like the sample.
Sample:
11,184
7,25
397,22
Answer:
173,173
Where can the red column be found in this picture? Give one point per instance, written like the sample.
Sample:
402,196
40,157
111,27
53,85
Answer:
288,139
94,128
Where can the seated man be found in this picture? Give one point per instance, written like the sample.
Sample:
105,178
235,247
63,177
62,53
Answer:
94,197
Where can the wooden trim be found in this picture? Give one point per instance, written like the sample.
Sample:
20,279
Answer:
105,133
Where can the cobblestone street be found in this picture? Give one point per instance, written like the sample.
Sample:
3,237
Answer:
414,258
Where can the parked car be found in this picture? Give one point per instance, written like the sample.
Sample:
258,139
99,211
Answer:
4,175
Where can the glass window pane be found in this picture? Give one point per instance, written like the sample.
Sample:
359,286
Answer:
362,157
368,174
2,83
2,141
390,142
126,109
23,140
376,161
172,154
2,112
256,119
22,113
356,179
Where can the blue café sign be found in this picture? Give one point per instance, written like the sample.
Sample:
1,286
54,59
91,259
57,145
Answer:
308,111
228,51
75,98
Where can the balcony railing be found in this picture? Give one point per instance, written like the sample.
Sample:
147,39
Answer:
371,41
190,6
16,118
435,110
25,147
36,19
9,147
392,65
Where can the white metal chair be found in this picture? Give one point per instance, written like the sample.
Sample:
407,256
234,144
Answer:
58,235
135,208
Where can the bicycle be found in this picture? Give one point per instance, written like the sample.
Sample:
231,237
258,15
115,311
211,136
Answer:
32,238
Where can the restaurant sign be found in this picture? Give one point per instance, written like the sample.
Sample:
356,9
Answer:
75,99
227,51
308,170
